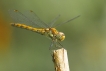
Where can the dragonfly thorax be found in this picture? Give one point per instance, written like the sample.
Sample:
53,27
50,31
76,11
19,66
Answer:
55,35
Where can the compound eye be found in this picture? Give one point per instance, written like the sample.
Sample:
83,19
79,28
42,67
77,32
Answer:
61,36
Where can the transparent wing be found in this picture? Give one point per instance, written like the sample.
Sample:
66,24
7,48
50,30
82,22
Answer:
19,17
67,21
54,20
32,16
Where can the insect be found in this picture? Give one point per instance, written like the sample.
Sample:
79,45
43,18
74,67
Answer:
44,29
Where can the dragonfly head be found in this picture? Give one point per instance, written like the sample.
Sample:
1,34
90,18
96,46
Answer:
61,36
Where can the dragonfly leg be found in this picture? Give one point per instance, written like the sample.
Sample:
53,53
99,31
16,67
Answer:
60,44
56,43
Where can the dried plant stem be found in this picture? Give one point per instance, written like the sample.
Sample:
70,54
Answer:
60,60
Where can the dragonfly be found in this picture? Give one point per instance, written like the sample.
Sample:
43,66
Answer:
24,21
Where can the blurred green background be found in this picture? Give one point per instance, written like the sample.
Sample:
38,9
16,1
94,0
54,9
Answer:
23,50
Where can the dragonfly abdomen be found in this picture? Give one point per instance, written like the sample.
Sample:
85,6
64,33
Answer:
41,31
